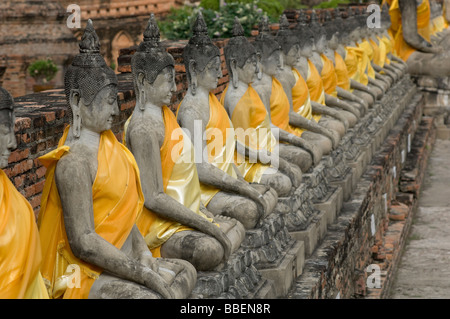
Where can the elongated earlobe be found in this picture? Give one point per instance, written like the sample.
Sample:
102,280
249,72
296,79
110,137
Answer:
76,116
234,75
193,76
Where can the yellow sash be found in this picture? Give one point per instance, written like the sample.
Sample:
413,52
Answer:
117,202
356,61
328,75
403,49
180,181
383,51
376,53
315,86
367,58
301,100
221,144
343,78
279,107
252,128
20,248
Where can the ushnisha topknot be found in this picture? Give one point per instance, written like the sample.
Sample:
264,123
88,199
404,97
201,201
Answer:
265,43
315,27
200,48
89,73
6,107
285,36
150,57
238,47
302,31
6,100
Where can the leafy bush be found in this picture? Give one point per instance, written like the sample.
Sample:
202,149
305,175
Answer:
330,4
43,70
178,22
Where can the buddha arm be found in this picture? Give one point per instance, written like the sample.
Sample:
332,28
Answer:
408,11
147,154
72,176
297,141
322,109
312,126
333,101
385,69
265,157
351,97
214,176
358,86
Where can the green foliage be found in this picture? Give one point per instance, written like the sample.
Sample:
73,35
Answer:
330,4
43,70
210,4
178,22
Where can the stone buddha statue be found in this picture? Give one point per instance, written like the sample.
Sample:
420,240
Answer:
296,89
20,247
377,79
410,29
324,115
92,198
357,60
351,77
256,152
174,222
325,68
292,147
223,189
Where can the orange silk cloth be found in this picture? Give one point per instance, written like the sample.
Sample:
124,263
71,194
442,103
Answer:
280,107
377,59
367,58
20,248
329,76
117,202
180,181
315,86
301,101
343,78
251,123
356,62
403,49
221,144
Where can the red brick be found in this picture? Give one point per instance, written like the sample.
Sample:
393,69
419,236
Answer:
18,155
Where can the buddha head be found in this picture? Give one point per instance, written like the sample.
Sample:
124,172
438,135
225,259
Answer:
268,48
153,70
331,28
320,38
385,18
202,59
7,137
352,27
91,87
305,36
241,57
289,42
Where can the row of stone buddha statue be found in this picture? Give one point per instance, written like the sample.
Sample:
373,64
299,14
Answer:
140,218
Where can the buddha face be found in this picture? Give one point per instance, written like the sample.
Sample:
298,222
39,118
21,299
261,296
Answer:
273,63
98,116
160,92
307,48
7,137
293,56
333,43
209,77
321,44
247,73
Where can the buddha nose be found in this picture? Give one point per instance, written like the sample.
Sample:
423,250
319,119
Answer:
12,143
